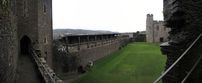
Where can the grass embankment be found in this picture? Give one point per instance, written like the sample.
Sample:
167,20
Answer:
136,63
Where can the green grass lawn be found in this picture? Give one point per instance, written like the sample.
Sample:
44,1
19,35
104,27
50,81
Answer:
136,63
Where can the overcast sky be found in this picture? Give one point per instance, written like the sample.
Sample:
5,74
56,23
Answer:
112,15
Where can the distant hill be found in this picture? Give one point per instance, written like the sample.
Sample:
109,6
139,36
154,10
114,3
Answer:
61,32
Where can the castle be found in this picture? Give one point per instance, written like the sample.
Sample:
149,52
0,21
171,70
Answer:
24,25
72,53
26,44
156,32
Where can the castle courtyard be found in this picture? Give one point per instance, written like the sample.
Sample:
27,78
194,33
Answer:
135,63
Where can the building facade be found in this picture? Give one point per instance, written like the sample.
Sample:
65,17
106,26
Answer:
156,32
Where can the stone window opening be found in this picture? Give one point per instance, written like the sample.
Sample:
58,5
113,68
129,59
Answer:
157,28
25,7
161,39
45,40
44,9
46,54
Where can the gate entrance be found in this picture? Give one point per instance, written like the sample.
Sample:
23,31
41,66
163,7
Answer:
27,71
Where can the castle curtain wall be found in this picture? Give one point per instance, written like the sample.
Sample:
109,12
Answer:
8,41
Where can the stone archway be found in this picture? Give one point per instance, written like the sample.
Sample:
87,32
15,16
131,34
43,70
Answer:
27,71
25,45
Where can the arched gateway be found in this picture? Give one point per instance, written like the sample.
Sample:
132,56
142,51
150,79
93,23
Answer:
27,71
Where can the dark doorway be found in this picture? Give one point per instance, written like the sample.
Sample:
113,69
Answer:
25,45
27,71
81,69
161,39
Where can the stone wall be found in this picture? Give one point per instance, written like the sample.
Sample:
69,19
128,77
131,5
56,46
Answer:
184,19
45,29
69,55
26,12
139,37
97,52
18,20
8,42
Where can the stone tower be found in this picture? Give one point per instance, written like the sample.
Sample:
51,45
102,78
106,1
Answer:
149,28
156,32
35,22
24,25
